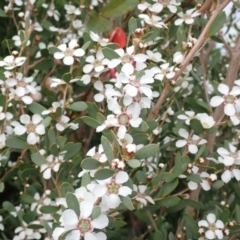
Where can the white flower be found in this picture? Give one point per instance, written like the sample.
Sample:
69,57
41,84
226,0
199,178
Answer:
188,117
1,225
18,42
214,228
51,11
53,163
178,57
187,17
153,20
159,5
206,120
68,53
204,176
10,62
2,114
110,189
102,41
99,155
155,56
127,59
70,9
141,196
121,120
2,140
32,127
236,117
108,92
191,142
22,84
55,105
229,99
82,226
62,123
229,157
97,63
163,71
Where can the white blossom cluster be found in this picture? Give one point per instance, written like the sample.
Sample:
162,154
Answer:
125,83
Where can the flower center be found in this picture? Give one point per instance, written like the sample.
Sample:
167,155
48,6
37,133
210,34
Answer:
97,63
212,226
84,225
123,119
68,52
126,58
164,2
22,84
187,16
165,71
135,83
31,127
229,99
112,188
137,98
234,155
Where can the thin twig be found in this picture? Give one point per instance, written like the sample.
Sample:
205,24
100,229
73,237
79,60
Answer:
202,38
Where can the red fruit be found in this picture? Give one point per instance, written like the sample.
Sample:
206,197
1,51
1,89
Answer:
118,36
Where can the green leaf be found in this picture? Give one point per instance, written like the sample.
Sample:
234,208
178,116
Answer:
97,23
196,125
90,164
52,136
167,188
132,24
168,177
191,226
200,151
96,212
16,143
38,159
118,8
54,150
2,186
85,180
168,201
141,176
46,24
67,77
217,24
107,147
194,178
127,202
71,149
8,206
46,121
90,122
134,163
103,174
143,127
73,203
36,108
3,14
147,151
27,199
53,50
109,53
194,204
77,106
47,227
218,184
66,188
181,164
49,209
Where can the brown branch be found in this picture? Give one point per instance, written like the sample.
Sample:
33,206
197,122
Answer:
202,38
